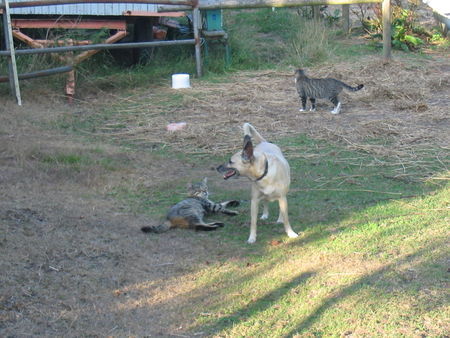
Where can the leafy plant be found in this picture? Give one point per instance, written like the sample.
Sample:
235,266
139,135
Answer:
407,34
404,32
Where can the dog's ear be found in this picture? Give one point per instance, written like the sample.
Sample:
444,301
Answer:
247,152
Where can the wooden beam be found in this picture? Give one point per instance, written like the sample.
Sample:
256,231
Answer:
12,66
35,44
316,12
37,3
387,43
196,23
231,4
346,18
69,24
144,13
113,38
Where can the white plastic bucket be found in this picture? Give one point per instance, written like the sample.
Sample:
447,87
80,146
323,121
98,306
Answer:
180,81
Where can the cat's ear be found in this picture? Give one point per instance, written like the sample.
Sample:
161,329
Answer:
189,186
247,152
205,180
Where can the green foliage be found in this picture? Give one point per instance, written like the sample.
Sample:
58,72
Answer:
407,34
404,31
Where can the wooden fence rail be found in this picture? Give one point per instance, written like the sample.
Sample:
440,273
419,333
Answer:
37,3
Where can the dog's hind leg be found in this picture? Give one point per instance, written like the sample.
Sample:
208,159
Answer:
284,214
265,214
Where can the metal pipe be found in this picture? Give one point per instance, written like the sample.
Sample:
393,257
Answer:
70,2
40,73
100,46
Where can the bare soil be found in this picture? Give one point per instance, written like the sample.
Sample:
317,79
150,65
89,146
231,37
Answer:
73,260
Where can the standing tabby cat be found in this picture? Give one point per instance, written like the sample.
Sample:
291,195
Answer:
327,88
189,213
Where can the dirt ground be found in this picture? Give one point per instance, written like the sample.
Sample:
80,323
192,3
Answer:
74,262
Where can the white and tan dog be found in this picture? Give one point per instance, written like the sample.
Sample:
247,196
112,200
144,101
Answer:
269,172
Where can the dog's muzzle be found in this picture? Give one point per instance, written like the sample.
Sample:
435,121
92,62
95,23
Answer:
227,172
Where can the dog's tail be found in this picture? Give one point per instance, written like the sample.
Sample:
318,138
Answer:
251,131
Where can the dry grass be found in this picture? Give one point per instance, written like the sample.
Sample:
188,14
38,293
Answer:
401,112
401,100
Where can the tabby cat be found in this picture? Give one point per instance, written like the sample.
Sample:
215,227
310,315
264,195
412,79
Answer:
327,88
189,213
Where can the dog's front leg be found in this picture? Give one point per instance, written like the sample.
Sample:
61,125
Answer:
254,216
265,214
284,215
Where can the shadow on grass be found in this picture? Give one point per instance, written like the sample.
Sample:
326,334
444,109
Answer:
385,283
261,304
382,280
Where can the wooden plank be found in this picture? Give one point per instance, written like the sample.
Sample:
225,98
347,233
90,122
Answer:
231,4
316,12
387,44
37,3
196,25
346,18
69,24
114,38
12,66
143,13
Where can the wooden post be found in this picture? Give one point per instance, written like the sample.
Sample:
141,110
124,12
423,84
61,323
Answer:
316,12
12,66
346,19
196,22
387,44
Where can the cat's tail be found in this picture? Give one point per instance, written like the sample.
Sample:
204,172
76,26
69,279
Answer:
353,89
251,131
157,229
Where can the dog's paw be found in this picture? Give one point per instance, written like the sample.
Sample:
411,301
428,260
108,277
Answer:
251,240
292,234
264,216
233,203
232,213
